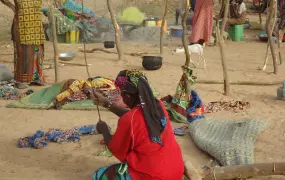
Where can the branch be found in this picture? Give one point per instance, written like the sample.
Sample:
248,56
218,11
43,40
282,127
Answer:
246,171
248,83
117,30
162,26
9,4
111,52
54,38
184,41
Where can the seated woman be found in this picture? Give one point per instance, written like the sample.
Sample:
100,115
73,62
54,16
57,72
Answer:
144,141
237,12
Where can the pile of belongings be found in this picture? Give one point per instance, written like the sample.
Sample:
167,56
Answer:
9,93
40,139
69,17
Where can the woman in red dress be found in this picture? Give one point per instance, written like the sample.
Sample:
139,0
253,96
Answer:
144,141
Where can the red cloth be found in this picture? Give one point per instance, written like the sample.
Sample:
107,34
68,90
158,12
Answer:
202,21
146,160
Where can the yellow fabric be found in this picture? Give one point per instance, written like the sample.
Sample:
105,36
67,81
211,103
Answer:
78,85
30,22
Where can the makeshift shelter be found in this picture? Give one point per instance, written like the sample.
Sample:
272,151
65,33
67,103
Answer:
74,24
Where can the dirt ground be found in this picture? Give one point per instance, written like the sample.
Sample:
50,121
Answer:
74,161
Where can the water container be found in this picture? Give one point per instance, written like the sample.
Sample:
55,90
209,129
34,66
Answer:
281,92
236,32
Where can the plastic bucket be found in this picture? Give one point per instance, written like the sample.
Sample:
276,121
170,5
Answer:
176,32
72,37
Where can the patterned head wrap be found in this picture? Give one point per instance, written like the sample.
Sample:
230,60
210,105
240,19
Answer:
135,82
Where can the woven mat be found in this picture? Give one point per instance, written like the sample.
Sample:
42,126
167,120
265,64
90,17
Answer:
230,142
43,99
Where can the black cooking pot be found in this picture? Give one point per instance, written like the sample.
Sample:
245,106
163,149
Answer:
109,44
152,62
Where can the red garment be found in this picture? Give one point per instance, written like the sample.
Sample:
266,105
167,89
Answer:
146,160
202,21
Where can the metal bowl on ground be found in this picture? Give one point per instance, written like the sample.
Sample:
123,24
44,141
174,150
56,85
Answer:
109,44
152,62
66,56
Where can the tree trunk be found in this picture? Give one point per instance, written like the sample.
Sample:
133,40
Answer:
184,41
117,30
54,38
221,42
162,26
246,171
270,23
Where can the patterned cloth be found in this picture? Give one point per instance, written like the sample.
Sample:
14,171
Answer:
75,90
28,63
30,22
40,139
196,108
176,105
202,21
76,7
115,172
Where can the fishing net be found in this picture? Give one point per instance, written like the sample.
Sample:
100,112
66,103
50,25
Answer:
228,141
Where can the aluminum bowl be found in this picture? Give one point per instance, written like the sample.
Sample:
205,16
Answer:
67,56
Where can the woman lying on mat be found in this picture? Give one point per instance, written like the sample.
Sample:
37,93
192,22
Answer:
74,90
144,141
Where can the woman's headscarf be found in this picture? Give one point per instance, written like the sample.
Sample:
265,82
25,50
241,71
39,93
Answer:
135,82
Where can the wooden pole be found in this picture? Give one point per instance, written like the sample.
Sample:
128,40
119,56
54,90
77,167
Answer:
162,26
225,17
184,41
221,43
270,23
280,38
259,12
54,38
246,171
187,54
117,30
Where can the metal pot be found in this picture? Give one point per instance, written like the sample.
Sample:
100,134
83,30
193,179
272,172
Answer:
109,44
152,62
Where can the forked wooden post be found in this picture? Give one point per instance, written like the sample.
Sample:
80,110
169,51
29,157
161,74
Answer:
221,43
187,54
117,30
54,38
271,23
184,41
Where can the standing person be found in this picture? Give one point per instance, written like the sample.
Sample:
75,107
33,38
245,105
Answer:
181,9
144,141
202,22
28,38
281,25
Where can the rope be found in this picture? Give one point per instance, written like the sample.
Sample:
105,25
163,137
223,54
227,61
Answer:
86,63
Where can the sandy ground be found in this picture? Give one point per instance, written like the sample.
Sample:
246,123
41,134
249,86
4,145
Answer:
74,161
